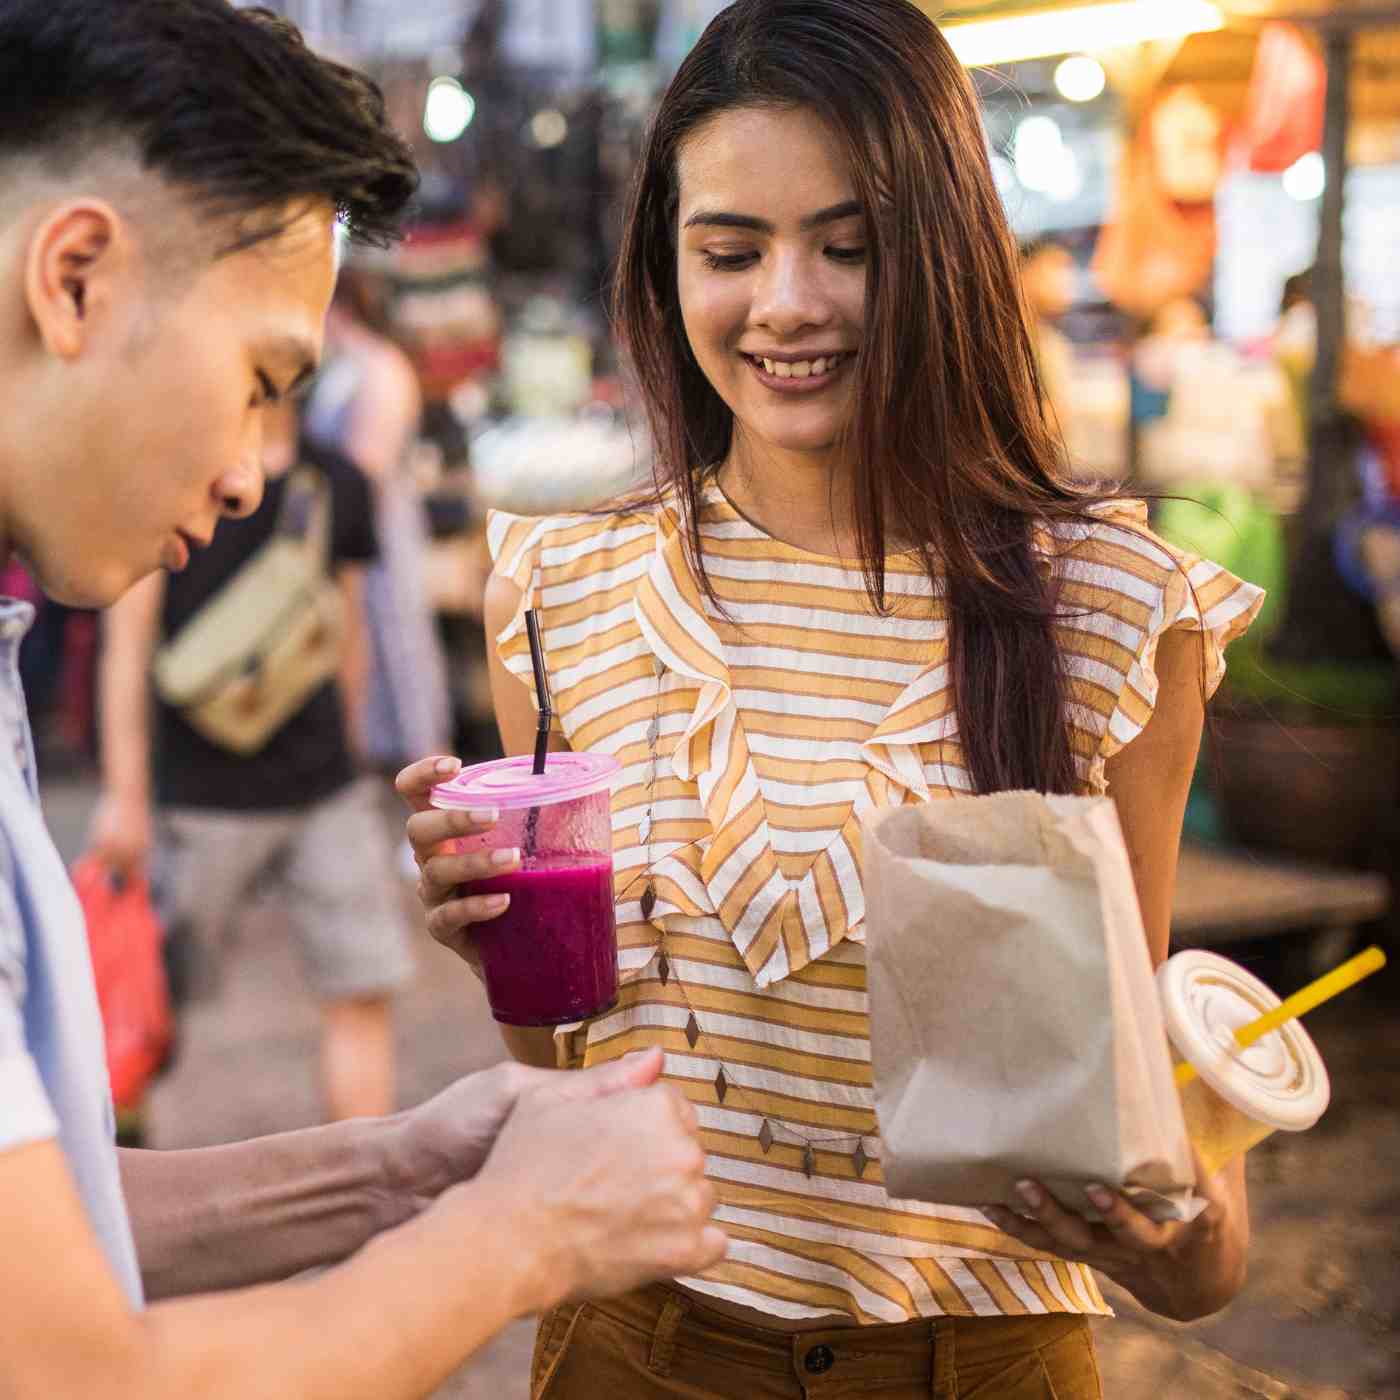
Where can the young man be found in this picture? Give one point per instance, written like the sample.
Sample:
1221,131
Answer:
294,808
170,173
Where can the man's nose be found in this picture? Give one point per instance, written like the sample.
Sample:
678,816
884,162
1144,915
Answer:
239,491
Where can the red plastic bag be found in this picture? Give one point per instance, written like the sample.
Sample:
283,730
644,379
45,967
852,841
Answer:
1284,107
124,936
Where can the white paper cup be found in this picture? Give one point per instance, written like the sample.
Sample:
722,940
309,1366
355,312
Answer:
1239,1096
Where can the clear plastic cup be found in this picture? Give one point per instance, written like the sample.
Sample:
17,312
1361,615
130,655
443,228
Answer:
551,958
1238,1097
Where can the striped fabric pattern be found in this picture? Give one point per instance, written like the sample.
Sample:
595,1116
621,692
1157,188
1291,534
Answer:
785,716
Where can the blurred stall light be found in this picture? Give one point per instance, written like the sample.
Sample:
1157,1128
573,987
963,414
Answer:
1080,78
981,42
1066,180
449,110
1306,178
549,128
1038,147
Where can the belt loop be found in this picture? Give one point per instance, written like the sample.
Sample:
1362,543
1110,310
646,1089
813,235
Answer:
663,1340
943,1374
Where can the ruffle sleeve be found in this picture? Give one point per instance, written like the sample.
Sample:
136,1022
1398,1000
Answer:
1124,589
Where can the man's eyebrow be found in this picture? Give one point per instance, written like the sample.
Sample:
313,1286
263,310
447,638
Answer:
293,350
718,218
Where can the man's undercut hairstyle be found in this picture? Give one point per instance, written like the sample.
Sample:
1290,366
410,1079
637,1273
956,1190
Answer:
228,105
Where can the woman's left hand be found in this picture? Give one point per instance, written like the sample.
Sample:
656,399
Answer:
1178,1269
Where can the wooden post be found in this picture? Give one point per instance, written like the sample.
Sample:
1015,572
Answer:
1323,620
1325,469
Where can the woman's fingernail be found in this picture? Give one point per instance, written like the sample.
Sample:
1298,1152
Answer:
496,904
1101,1196
485,816
507,855
447,765
1031,1194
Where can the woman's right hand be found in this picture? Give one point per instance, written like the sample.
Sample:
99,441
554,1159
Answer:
433,834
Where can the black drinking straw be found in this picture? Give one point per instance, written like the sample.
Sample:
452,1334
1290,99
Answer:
532,628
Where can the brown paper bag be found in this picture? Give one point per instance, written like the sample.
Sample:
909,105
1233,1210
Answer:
1015,1027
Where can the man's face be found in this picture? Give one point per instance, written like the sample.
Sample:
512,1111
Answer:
162,429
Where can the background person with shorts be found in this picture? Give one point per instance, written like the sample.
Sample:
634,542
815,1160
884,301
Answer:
296,810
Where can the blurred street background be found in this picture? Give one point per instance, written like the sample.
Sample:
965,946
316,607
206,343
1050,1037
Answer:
1208,201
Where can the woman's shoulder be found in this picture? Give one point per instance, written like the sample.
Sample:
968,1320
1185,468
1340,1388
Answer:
1111,560
1122,587
573,543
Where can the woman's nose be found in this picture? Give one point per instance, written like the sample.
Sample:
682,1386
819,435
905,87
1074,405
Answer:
790,295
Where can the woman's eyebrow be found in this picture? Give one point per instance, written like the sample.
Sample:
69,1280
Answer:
717,218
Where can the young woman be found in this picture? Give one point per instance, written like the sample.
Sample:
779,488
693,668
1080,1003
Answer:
863,582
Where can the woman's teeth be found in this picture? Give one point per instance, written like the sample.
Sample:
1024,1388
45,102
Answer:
800,369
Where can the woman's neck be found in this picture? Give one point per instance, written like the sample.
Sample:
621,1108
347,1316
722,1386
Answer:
804,500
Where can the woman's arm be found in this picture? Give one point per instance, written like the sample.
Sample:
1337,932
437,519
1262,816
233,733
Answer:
1150,779
450,917
1180,1271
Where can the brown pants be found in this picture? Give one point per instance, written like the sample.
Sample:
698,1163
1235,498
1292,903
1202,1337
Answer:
659,1343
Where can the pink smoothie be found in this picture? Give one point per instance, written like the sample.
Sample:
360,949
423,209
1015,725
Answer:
552,956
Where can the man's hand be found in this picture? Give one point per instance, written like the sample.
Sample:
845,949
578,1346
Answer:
447,1139
604,1194
120,836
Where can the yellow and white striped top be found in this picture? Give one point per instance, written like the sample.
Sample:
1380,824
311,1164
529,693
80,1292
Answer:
781,724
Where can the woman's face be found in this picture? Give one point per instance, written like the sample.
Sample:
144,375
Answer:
771,273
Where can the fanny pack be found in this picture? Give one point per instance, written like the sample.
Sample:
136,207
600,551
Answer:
252,656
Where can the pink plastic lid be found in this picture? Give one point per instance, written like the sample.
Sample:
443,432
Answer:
510,783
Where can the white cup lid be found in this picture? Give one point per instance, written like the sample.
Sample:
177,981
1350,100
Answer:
1280,1079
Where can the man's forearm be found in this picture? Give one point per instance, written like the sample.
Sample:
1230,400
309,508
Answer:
392,1323
226,1217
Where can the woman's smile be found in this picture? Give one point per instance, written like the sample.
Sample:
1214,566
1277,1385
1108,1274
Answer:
809,374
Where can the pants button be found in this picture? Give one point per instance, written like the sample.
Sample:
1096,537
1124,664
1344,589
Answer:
819,1359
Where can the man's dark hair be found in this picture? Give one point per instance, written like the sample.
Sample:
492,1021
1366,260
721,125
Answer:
229,105
1297,288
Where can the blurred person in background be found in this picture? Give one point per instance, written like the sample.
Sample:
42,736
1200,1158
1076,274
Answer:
1295,342
171,172
225,819
367,403
1171,334
1048,282
862,582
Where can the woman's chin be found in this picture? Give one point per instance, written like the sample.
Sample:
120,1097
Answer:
791,441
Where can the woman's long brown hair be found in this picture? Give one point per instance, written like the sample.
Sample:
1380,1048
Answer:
947,427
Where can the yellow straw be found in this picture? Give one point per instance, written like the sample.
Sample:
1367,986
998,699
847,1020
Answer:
1313,995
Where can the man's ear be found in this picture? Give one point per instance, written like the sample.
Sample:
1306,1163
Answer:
77,257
